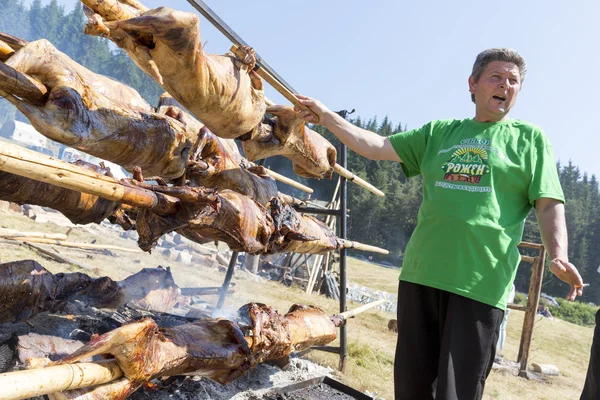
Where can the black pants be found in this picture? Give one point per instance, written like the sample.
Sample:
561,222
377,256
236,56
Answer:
446,344
591,389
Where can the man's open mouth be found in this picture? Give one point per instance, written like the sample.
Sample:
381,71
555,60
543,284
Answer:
499,98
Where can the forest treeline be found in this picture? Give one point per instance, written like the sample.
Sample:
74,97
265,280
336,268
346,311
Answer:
382,221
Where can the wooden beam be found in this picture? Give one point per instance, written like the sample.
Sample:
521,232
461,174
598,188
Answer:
38,382
30,164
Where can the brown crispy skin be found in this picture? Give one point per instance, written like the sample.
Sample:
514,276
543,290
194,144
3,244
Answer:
100,116
166,44
287,135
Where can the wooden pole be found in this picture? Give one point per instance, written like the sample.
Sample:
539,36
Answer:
535,287
30,164
294,100
75,245
313,273
292,200
41,381
359,181
349,244
288,181
361,309
13,233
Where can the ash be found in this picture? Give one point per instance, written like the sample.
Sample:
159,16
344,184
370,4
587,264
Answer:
252,386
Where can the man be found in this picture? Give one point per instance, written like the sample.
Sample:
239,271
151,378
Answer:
481,177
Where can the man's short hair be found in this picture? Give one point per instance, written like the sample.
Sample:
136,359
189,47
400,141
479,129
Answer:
497,54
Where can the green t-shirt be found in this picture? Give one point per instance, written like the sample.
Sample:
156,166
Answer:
480,181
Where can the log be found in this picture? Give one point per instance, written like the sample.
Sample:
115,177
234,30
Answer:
546,369
76,245
38,382
12,233
204,291
349,244
338,169
30,164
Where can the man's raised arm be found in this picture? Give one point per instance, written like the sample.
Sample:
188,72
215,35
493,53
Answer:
366,143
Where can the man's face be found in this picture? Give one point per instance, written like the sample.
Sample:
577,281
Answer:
496,91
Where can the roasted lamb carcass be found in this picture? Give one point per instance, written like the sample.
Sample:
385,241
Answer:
212,348
287,135
206,215
273,336
93,113
80,208
27,288
220,350
232,218
222,91
299,233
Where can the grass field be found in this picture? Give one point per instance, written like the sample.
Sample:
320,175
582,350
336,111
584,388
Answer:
370,344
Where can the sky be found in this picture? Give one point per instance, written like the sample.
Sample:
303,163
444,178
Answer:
410,60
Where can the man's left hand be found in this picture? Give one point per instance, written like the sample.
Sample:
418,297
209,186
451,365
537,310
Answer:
566,272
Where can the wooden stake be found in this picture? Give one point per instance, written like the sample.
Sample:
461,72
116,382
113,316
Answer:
349,244
30,164
41,381
361,309
271,80
359,181
288,181
292,200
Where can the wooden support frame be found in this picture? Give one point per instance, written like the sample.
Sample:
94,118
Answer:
533,300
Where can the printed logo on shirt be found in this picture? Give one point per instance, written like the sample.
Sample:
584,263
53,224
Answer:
468,164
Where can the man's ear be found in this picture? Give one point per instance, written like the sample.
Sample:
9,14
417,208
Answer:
472,84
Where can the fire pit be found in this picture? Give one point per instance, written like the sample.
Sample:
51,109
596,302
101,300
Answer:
321,388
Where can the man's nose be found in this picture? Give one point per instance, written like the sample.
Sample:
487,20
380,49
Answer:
504,83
